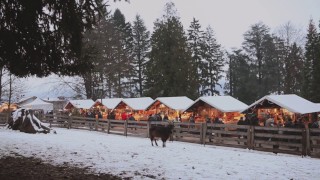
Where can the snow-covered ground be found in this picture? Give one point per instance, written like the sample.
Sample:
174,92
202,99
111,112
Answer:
116,154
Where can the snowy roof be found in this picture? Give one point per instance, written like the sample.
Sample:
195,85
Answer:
222,103
26,100
176,103
85,104
291,102
110,103
141,103
39,104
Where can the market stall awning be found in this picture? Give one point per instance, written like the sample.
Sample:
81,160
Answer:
39,104
84,104
138,103
110,103
175,103
291,102
221,103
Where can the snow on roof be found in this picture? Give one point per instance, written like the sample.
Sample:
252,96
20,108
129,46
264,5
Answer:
222,103
176,103
39,104
110,103
38,101
26,100
141,103
291,102
85,104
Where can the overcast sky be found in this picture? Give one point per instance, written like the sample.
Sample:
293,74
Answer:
230,19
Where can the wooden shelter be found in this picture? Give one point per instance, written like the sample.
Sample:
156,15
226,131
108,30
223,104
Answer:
135,107
283,107
225,107
78,106
106,105
170,106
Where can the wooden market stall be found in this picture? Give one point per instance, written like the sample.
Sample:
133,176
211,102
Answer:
135,107
78,107
107,106
226,108
283,108
4,107
171,107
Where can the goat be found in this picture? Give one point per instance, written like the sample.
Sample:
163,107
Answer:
162,132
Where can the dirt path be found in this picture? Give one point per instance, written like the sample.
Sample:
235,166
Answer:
13,168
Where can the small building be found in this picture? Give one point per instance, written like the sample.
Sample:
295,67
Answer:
282,107
58,103
135,107
26,100
225,107
170,106
38,104
106,105
78,107
4,107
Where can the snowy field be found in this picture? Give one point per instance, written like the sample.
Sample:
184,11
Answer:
136,157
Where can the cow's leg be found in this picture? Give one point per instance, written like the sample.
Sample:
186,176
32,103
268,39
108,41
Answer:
163,142
155,140
151,141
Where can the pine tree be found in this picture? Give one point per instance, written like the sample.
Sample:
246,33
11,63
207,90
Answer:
316,71
141,47
310,59
195,41
293,72
239,79
261,48
168,70
122,55
44,37
211,65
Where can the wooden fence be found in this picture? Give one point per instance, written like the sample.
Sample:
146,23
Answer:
3,118
270,139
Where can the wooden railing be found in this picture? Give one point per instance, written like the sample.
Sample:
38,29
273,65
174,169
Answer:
3,118
270,139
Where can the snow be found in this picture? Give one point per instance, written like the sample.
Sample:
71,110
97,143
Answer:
138,103
85,104
175,103
291,102
223,103
107,153
110,103
39,104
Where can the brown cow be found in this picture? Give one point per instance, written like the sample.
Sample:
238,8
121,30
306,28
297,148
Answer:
162,132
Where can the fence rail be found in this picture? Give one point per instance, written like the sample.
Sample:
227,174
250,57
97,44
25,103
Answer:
269,139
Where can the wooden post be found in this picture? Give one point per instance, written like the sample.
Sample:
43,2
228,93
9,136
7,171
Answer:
203,133
304,142
308,147
96,124
69,122
109,126
126,127
148,128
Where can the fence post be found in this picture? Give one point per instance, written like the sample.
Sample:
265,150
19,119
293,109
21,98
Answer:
148,128
69,122
204,133
304,142
126,127
250,137
308,148
109,126
96,124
